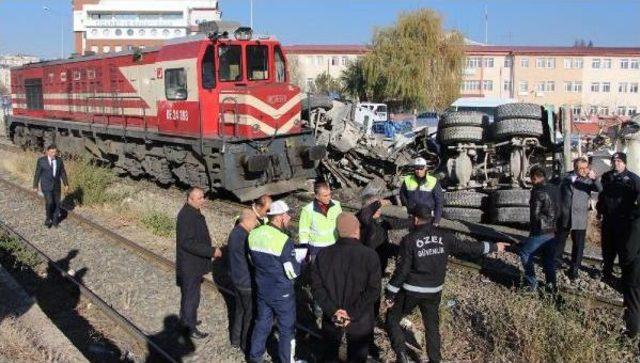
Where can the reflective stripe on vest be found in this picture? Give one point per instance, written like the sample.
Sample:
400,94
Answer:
322,229
411,182
267,239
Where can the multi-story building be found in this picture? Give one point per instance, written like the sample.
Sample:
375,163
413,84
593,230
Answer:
602,80
104,26
8,61
306,62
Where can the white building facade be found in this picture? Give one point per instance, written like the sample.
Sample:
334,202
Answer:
105,26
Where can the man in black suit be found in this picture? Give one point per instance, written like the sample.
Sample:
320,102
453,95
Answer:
194,254
50,173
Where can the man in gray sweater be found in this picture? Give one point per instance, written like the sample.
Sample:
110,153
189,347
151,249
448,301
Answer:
575,191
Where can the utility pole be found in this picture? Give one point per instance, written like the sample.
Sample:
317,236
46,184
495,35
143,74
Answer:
47,9
251,14
486,25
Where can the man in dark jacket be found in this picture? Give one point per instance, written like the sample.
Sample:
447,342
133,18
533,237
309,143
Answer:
422,188
419,278
630,263
241,277
194,253
374,229
345,280
50,174
575,193
543,206
615,204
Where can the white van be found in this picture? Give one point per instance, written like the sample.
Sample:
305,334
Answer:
379,109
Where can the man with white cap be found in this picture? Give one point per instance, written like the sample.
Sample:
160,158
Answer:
422,188
273,256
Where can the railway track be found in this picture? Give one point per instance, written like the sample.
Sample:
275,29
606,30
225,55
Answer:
211,285
133,330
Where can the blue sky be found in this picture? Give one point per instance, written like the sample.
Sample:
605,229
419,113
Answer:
26,28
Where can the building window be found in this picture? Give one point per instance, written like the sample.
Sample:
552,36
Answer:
623,87
523,87
573,86
488,62
621,110
471,86
606,87
165,33
118,32
175,84
487,85
634,64
593,110
118,48
606,63
546,86
524,62
624,64
506,86
106,49
573,63
545,62
319,60
334,61
178,32
595,63
508,62
633,87
344,61
631,111
576,111
141,32
77,75
472,62
595,87
604,111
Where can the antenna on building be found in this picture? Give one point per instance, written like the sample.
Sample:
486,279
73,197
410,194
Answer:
486,25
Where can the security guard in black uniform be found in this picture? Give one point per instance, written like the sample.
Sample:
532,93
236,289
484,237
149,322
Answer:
620,188
419,278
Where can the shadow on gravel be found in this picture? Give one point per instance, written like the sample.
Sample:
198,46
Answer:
60,301
173,341
70,202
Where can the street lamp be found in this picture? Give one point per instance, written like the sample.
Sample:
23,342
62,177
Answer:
47,9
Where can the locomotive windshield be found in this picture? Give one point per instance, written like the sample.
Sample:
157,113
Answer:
230,63
258,62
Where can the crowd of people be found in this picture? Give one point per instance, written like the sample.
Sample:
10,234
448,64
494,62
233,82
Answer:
344,256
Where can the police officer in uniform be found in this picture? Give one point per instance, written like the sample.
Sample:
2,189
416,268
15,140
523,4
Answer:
317,225
419,278
615,203
422,188
273,256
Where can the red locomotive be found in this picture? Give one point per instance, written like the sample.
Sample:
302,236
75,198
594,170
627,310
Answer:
214,110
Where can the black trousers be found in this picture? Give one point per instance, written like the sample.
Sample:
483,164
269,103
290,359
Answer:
189,300
242,318
359,338
631,295
404,305
578,237
52,205
615,231
385,252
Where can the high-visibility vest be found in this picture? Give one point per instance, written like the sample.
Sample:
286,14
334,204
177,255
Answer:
412,184
315,228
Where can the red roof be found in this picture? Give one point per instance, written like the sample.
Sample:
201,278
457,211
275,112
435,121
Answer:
475,49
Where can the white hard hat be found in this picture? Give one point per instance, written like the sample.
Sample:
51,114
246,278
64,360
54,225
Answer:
419,162
278,207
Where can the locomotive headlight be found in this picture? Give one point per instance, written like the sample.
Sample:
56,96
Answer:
243,33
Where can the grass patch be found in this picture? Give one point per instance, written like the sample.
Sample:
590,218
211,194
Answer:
22,254
159,223
91,183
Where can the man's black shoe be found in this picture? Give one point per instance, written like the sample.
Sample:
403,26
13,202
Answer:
573,274
47,224
198,322
197,334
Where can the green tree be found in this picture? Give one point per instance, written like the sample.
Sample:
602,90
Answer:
325,84
415,63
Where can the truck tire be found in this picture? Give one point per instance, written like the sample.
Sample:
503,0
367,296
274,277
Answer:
511,215
462,118
506,129
463,214
518,110
454,135
511,197
464,198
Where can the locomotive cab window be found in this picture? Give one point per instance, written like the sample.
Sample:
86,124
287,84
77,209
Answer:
175,84
281,70
258,62
230,63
